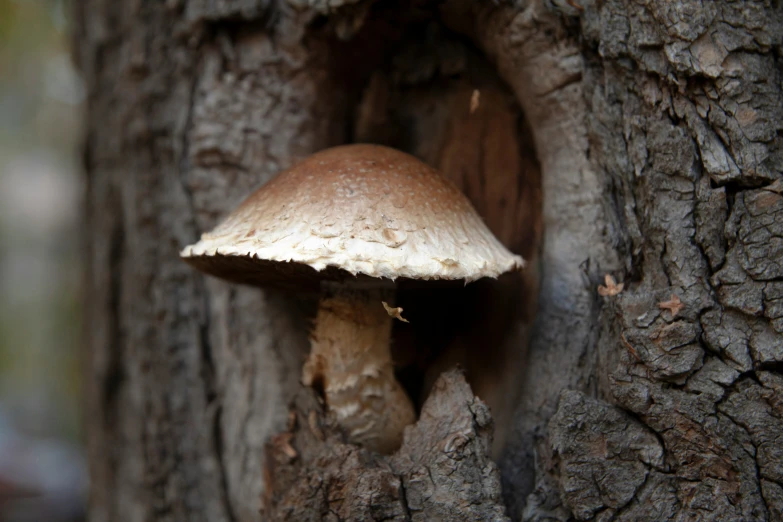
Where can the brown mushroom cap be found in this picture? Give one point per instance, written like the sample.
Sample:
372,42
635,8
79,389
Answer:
354,210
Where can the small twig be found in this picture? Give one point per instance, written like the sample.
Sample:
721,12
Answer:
630,348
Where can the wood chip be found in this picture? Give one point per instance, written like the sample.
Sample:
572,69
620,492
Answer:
612,287
673,305
475,99
394,312
282,443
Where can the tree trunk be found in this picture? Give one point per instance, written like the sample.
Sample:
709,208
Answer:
643,140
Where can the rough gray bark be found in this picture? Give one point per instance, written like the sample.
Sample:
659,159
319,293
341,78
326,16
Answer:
441,472
640,139
679,110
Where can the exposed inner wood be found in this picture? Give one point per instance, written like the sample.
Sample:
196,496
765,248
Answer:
424,106
351,362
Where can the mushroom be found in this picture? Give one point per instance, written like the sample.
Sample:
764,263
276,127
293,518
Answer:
349,222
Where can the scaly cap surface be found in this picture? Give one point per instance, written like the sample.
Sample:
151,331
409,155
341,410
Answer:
354,209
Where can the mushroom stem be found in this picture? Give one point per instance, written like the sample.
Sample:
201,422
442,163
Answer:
351,361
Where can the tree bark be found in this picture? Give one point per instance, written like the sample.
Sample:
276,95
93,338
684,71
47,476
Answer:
638,139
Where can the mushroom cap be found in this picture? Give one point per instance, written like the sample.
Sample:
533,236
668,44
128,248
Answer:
353,211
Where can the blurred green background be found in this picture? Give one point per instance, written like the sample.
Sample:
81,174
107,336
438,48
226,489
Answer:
42,470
